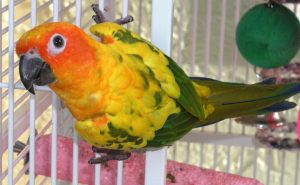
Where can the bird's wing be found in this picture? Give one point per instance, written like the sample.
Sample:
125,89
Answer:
172,78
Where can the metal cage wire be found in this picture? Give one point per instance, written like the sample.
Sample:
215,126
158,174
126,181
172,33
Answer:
16,121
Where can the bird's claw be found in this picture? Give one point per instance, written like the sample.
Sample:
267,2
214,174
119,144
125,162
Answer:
100,18
110,155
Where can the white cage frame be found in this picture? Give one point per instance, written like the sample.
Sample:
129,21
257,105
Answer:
161,30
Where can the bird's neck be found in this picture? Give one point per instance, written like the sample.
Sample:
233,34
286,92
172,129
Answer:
84,88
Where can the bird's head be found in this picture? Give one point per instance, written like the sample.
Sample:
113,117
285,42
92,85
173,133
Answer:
51,52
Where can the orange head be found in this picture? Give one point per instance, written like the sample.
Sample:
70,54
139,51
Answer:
54,52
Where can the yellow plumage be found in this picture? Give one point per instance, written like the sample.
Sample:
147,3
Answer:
139,93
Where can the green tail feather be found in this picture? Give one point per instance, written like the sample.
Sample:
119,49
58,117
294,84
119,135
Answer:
229,100
246,99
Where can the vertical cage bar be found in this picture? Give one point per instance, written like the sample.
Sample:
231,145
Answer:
268,166
54,138
247,73
33,13
255,162
155,167
161,34
207,37
297,169
201,154
75,136
10,92
75,157
32,109
140,16
194,36
282,168
174,152
228,159
97,171
78,13
56,8
180,32
242,160
215,155
1,132
125,10
120,173
187,157
295,8
235,52
222,40
235,55
54,112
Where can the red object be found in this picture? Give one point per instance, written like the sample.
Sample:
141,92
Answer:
134,167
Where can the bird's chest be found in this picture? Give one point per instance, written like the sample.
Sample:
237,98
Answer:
85,101
101,132
129,126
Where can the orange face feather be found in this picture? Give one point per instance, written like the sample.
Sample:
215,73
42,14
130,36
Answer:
74,67
79,52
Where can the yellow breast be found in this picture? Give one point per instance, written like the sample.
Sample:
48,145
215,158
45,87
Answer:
135,107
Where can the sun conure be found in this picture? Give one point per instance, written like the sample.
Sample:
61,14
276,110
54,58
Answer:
128,95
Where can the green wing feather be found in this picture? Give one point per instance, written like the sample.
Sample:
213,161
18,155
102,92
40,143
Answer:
175,127
189,99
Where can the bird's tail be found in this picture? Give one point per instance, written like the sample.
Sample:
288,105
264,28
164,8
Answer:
227,100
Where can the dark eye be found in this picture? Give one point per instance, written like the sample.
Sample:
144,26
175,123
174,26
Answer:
58,41
56,44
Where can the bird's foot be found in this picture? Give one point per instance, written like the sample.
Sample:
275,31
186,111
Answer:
18,148
100,18
124,20
118,155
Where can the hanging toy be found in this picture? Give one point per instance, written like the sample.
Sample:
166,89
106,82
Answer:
289,73
268,35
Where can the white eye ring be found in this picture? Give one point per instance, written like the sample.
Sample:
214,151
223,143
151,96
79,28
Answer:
56,44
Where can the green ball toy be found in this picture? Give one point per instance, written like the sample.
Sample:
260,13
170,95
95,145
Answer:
268,35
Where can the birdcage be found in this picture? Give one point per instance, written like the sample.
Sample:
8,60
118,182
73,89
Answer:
199,35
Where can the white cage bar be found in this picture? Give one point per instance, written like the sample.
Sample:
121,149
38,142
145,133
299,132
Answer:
10,92
161,32
32,113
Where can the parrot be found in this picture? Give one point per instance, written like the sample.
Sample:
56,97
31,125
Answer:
126,94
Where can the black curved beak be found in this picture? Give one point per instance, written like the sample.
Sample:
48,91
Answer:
34,71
